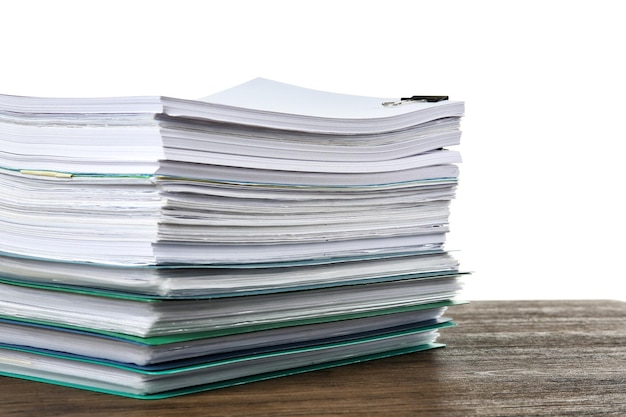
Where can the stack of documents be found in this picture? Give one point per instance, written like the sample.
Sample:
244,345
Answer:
152,246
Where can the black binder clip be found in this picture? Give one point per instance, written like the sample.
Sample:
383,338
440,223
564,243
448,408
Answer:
413,99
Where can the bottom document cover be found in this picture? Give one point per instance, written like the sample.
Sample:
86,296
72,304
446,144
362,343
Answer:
146,383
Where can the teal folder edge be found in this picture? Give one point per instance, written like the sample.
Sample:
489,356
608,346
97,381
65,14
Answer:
211,360
147,176
97,292
253,265
238,381
161,340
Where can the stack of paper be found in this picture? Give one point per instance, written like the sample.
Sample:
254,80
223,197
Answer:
152,246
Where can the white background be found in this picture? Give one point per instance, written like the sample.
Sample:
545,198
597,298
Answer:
540,209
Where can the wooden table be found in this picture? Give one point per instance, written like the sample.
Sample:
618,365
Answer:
538,358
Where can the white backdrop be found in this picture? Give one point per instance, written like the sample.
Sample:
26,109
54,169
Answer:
540,208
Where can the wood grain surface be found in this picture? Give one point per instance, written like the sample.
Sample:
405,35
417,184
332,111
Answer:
536,358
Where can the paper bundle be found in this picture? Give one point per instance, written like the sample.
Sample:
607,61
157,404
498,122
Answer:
152,246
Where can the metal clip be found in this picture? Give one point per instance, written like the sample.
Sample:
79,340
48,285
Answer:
414,99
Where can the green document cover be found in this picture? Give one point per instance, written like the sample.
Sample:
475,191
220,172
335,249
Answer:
124,380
